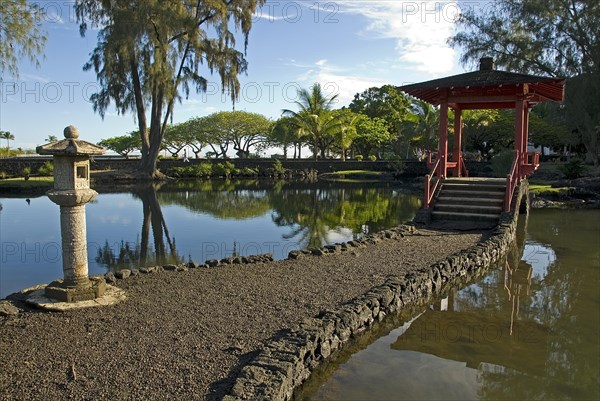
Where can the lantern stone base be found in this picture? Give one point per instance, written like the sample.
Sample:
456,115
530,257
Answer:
59,291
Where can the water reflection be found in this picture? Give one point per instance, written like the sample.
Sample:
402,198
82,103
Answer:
527,330
141,253
155,224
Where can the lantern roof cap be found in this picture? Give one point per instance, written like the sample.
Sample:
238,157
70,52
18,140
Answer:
70,146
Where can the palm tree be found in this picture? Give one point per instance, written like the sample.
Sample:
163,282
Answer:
8,136
51,138
423,121
346,131
314,117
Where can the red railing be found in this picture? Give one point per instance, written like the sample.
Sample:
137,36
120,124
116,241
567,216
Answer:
512,179
435,177
432,159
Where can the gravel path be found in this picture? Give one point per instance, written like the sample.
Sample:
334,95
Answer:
184,335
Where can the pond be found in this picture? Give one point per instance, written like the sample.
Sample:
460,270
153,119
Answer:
526,330
194,220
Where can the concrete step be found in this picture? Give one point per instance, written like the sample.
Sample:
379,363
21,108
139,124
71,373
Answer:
456,200
479,193
471,187
476,209
438,215
477,180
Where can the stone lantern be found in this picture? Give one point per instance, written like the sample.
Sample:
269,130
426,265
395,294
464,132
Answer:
71,192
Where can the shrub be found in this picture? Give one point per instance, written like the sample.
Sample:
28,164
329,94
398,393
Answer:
203,170
502,162
26,172
249,172
47,169
372,158
359,157
396,164
278,167
573,169
3,175
225,169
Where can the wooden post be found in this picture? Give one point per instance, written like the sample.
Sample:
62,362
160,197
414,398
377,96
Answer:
519,121
457,154
443,145
525,142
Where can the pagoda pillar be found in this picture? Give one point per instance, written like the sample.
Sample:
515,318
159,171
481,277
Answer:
457,154
443,145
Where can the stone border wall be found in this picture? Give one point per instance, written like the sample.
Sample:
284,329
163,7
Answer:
287,360
14,166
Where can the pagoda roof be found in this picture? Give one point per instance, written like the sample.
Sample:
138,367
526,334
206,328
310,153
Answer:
495,88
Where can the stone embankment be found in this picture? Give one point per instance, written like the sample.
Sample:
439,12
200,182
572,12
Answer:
286,361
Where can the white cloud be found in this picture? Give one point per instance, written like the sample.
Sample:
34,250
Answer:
336,80
420,29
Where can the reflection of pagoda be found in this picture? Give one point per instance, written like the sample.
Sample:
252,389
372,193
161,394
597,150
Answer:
481,335
517,282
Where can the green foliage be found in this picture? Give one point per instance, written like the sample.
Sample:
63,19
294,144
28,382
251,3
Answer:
149,56
248,172
47,169
283,134
9,137
384,102
21,34
203,170
371,133
502,162
3,175
372,158
124,144
488,132
419,131
397,164
548,37
241,129
314,118
26,172
278,167
548,126
359,157
573,169
225,169
548,190
176,138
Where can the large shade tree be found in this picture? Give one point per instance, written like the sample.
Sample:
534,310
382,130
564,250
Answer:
123,144
244,130
389,104
21,34
151,52
546,37
283,134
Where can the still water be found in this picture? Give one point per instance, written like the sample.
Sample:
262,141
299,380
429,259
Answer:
526,330
194,220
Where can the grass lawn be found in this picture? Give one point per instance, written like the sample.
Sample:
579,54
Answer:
362,173
541,190
33,182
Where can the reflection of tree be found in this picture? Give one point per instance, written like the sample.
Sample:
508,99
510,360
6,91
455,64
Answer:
313,213
141,254
220,199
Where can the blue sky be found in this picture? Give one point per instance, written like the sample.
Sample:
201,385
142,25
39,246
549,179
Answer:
347,46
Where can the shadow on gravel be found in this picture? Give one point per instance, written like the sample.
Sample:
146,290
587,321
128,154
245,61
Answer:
218,389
